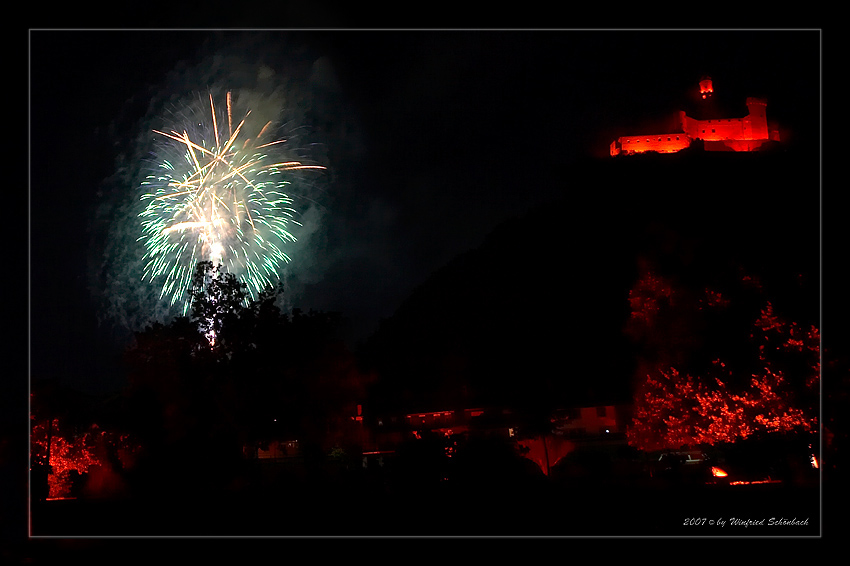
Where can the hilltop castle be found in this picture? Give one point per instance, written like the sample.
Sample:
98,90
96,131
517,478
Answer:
725,134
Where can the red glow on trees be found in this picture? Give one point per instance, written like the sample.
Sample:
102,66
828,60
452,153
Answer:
713,299
780,335
722,402
751,281
675,410
69,455
665,405
646,297
661,321
768,320
62,454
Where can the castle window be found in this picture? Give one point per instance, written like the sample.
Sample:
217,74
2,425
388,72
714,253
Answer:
712,130
668,139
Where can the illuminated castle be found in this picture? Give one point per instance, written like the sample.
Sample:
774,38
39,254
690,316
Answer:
725,134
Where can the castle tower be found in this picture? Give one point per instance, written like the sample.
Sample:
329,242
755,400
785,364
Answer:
757,119
705,87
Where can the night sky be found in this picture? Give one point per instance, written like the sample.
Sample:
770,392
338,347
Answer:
432,139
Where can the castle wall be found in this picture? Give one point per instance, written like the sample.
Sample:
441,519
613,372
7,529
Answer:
715,130
662,143
751,127
758,119
725,134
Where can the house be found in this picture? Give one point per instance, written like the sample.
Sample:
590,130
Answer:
589,422
597,426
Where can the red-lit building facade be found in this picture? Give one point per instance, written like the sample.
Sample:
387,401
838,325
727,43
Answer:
593,421
598,426
749,133
386,433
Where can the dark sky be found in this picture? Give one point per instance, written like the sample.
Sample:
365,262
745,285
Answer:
433,138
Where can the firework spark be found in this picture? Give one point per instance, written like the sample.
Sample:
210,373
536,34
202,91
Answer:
219,195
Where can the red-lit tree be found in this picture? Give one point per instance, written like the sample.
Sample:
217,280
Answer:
71,455
665,410
61,453
683,401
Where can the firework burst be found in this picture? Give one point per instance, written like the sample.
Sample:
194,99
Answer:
220,193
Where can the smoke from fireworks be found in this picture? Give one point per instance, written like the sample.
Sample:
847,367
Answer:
220,194
199,178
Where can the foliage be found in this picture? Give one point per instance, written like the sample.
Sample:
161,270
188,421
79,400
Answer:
68,454
684,399
240,372
217,297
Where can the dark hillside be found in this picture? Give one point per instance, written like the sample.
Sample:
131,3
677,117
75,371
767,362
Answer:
537,311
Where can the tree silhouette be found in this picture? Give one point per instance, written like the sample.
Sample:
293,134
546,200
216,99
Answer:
218,298
239,373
